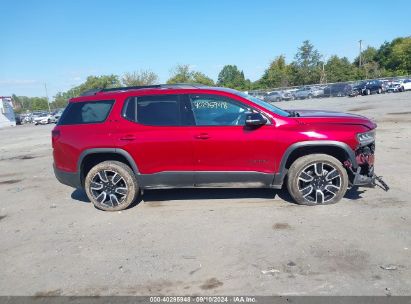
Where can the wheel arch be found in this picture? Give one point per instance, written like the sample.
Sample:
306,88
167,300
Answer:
91,157
337,149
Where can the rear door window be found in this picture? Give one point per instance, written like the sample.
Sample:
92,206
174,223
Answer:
86,112
154,110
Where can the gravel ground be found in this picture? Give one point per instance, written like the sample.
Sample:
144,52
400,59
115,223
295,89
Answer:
208,241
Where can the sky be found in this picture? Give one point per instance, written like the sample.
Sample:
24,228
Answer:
60,43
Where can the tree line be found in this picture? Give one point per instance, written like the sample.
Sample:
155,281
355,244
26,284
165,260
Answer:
308,67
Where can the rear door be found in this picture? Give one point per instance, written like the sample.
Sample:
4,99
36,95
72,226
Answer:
152,132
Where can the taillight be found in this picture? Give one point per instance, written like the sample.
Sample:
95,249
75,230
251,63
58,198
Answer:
55,134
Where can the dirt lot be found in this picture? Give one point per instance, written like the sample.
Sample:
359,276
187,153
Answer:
227,241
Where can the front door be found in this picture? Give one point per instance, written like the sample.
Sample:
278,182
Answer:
225,150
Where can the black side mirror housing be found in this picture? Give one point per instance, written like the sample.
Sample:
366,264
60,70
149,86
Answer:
255,120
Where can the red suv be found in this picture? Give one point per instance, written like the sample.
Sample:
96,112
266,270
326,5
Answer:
116,142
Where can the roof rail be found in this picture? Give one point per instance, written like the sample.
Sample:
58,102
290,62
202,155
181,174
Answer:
131,88
90,92
173,85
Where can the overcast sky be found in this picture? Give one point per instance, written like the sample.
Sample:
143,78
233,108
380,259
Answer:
62,42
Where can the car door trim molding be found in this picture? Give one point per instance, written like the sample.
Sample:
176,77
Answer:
197,179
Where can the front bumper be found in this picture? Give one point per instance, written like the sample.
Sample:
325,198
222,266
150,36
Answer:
364,174
71,179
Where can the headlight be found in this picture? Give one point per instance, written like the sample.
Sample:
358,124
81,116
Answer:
366,137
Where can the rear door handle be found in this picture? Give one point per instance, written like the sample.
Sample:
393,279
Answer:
128,138
202,136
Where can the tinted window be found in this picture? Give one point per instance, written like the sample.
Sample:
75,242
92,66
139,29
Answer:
86,112
213,110
159,110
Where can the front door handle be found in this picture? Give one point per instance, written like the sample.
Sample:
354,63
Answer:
202,136
128,138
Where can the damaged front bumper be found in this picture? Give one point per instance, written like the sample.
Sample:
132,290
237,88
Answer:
364,175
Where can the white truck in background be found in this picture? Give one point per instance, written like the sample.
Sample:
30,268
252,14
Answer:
7,117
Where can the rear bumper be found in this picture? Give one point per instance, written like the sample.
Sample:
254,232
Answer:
71,179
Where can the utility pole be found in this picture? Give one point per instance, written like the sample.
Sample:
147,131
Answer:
360,61
47,96
323,77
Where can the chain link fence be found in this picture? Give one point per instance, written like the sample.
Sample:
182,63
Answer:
320,90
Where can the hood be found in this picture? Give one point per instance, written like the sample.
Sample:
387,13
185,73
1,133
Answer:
330,117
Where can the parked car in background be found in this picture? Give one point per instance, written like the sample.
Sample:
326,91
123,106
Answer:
257,94
273,97
405,85
308,92
18,119
337,90
26,118
367,88
56,115
42,119
318,91
277,96
385,85
394,87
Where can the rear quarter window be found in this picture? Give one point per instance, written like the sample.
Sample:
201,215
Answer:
86,112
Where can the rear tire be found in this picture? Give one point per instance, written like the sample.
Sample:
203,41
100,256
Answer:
317,179
111,186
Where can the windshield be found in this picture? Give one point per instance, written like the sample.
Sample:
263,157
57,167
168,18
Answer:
269,107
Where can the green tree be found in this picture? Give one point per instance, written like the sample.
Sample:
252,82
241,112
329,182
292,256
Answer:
201,78
92,82
396,56
17,103
38,103
98,82
61,100
140,78
230,76
368,55
25,103
277,75
339,69
370,67
306,66
182,74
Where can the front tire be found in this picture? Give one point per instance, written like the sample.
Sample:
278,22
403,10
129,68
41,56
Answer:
111,186
317,179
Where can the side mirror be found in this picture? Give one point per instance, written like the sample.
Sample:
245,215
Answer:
255,120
